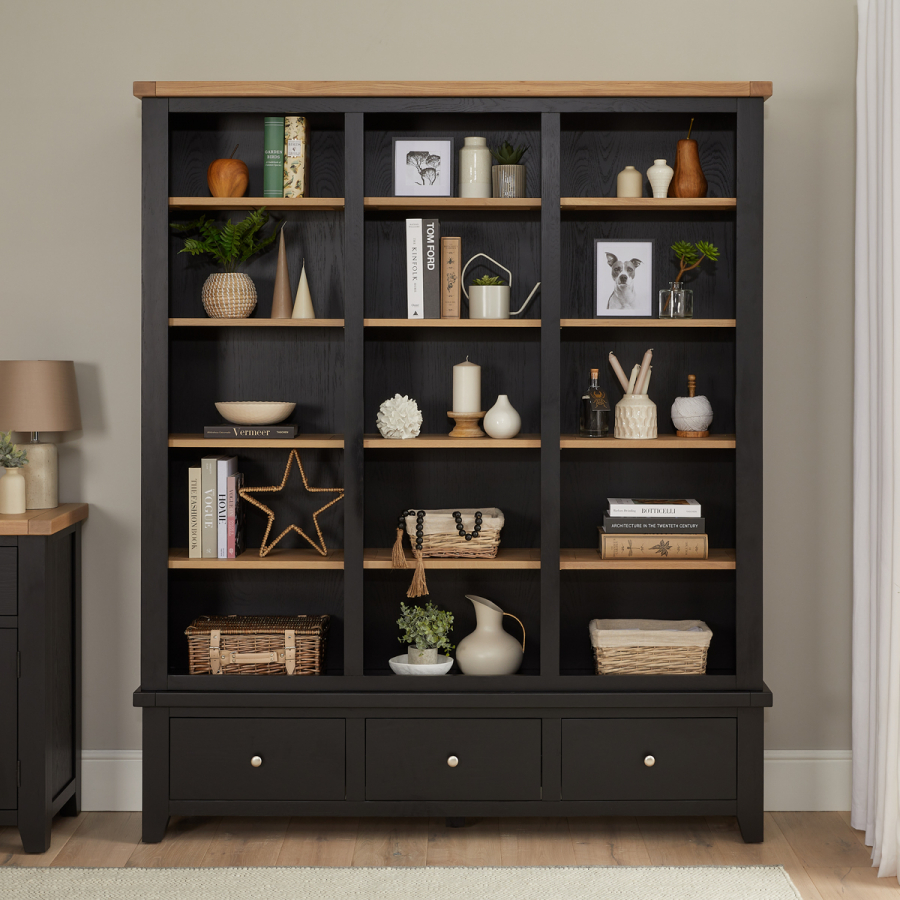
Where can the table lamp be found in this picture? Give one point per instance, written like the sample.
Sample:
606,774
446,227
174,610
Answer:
39,395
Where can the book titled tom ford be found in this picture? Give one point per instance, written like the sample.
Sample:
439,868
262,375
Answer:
669,509
248,432
653,546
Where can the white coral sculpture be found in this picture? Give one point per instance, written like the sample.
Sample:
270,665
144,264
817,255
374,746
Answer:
399,418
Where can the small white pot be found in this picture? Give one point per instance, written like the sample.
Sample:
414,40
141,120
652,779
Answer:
502,421
416,657
12,493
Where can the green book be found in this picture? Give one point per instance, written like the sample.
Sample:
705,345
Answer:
273,156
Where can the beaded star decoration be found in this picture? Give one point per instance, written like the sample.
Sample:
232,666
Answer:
266,548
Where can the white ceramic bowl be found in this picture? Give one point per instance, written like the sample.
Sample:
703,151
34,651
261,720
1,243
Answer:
252,412
402,667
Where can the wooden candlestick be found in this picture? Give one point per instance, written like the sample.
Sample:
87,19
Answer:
466,424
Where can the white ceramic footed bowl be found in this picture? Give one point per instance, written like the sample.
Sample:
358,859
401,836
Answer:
400,666
252,412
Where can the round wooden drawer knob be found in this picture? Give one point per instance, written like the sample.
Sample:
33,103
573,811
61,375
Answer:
452,761
256,761
649,761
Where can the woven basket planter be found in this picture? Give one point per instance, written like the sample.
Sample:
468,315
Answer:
441,539
650,646
257,645
229,295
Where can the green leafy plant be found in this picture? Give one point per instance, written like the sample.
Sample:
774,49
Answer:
10,456
507,155
489,280
229,244
426,628
691,255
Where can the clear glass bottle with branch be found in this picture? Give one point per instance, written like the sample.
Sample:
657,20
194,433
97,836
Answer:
676,301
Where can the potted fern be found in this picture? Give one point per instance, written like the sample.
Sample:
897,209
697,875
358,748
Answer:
508,175
12,484
229,294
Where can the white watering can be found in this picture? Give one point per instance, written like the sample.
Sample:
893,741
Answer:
491,301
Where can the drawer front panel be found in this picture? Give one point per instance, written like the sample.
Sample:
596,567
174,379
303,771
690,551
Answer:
499,759
302,759
8,587
604,759
8,716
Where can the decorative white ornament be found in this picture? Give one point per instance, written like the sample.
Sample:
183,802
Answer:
692,413
502,421
399,418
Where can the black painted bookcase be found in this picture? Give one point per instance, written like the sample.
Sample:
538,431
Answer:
555,739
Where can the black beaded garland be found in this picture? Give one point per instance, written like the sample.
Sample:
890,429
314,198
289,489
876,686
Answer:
457,515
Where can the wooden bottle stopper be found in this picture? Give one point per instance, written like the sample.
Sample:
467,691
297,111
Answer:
692,385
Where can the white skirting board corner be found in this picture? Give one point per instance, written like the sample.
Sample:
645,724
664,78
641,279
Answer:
796,780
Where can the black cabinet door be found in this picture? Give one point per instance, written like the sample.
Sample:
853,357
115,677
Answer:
8,601
649,759
407,759
298,759
8,719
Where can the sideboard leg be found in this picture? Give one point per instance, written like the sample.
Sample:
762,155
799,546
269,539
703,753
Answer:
72,806
155,815
34,830
750,774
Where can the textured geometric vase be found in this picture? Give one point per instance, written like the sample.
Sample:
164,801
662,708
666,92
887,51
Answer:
229,295
636,418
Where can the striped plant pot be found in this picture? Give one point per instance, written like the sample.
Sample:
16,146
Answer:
509,181
229,295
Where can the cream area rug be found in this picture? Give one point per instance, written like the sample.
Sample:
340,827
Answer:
432,883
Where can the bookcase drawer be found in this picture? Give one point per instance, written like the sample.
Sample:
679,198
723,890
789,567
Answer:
8,582
649,759
453,759
257,759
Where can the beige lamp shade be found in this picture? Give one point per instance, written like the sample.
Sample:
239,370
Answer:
38,395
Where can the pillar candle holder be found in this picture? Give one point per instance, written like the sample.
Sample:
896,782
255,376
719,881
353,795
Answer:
466,424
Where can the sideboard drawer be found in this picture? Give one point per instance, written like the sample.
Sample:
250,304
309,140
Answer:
298,759
496,759
607,759
8,584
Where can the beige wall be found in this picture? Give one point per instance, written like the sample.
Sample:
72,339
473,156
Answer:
70,253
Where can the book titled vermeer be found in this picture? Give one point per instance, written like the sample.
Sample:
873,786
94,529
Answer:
678,509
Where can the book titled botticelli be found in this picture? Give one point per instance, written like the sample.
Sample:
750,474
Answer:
681,509
296,157
273,156
653,546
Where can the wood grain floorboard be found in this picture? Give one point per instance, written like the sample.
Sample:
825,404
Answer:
608,841
13,854
823,840
678,841
104,839
391,842
845,817
186,844
242,841
319,842
853,883
475,844
536,842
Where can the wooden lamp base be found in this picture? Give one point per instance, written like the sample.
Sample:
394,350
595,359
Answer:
466,425
692,433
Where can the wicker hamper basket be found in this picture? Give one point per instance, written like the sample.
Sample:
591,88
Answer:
650,646
441,539
257,645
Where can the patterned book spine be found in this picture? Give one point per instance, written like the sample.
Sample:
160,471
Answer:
194,501
451,248
296,157
654,546
273,156
230,499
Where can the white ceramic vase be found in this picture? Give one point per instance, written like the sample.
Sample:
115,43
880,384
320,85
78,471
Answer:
489,650
12,493
629,183
475,168
660,176
502,421
636,418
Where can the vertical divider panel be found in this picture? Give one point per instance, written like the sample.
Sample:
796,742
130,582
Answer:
550,408
354,375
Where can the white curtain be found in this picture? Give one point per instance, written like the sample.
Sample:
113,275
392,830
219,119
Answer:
876,437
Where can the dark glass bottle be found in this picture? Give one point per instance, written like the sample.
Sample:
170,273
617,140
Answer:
594,411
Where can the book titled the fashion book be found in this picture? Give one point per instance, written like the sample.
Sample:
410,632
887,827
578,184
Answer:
273,156
451,248
246,432
194,504
637,525
415,302
653,546
668,509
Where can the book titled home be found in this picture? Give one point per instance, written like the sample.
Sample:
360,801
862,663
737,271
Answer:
194,502
296,157
250,431
431,266
225,466
209,546
637,525
273,156
235,515
653,546
415,304
451,249
668,509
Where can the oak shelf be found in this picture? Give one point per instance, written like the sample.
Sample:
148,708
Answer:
452,323
589,558
248,203
663,442
492,204
204,322
648,204
527,558
250,559
647,323
310,441
437,441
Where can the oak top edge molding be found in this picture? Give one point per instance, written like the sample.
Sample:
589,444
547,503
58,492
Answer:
453,89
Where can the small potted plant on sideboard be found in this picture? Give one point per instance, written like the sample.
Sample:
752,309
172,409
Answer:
12,484
508,175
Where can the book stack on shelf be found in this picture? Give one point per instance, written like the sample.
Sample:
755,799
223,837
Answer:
653,529
215,514
432,271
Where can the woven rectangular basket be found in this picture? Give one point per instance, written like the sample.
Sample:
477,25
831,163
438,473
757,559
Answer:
440,537
257,645
650,646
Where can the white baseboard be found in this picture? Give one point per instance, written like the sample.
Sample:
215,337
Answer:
795,780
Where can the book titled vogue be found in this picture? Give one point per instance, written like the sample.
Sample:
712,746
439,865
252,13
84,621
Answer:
208,494
653,546
668,509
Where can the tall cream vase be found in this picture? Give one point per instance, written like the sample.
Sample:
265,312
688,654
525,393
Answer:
12,493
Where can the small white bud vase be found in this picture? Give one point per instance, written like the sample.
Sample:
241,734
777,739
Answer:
12,492
475,168
629,183
660,176
502,421
636,418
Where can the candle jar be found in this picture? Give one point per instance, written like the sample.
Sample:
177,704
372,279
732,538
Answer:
676,302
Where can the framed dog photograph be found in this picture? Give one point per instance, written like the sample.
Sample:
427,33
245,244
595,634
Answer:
623,278
423,167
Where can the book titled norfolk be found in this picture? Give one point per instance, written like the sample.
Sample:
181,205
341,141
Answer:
273,156
249,432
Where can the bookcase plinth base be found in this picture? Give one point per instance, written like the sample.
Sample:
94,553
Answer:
466,425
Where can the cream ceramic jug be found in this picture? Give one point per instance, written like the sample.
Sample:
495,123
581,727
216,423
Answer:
491,301
489,650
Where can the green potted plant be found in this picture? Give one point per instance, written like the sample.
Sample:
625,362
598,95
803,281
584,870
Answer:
229,294
677,302
12,484
508,175
426,630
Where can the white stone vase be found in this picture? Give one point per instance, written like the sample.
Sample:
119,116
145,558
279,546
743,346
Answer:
502,421
12,493
489,649
475,168
629,183
660,176
636,418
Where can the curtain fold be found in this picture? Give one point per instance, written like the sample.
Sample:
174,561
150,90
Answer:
876,438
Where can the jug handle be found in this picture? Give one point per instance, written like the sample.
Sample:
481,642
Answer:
462,276
524,306
520,626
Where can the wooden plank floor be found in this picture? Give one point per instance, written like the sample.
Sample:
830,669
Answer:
824,856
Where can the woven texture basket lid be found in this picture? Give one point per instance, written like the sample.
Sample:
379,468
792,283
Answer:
649,633
302,625
441,521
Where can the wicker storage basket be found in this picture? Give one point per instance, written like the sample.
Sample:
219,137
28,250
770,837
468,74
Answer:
257,645
650,646
441,539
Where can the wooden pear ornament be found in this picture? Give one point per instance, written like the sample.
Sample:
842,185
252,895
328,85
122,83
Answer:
688,180
281,299
303,305
692,415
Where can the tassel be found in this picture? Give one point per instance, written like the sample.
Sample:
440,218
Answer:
398,557
419,587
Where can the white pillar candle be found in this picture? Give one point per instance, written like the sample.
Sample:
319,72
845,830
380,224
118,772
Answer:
466,387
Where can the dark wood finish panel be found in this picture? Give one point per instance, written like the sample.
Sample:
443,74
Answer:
8,715
61,633
8,586
301,760
603,759
498,760
750,785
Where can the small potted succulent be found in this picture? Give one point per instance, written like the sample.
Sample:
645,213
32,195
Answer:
426,630
508,175
12,484
230,294
677,302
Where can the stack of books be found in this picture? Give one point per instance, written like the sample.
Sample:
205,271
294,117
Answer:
215,514
432,271
653,529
